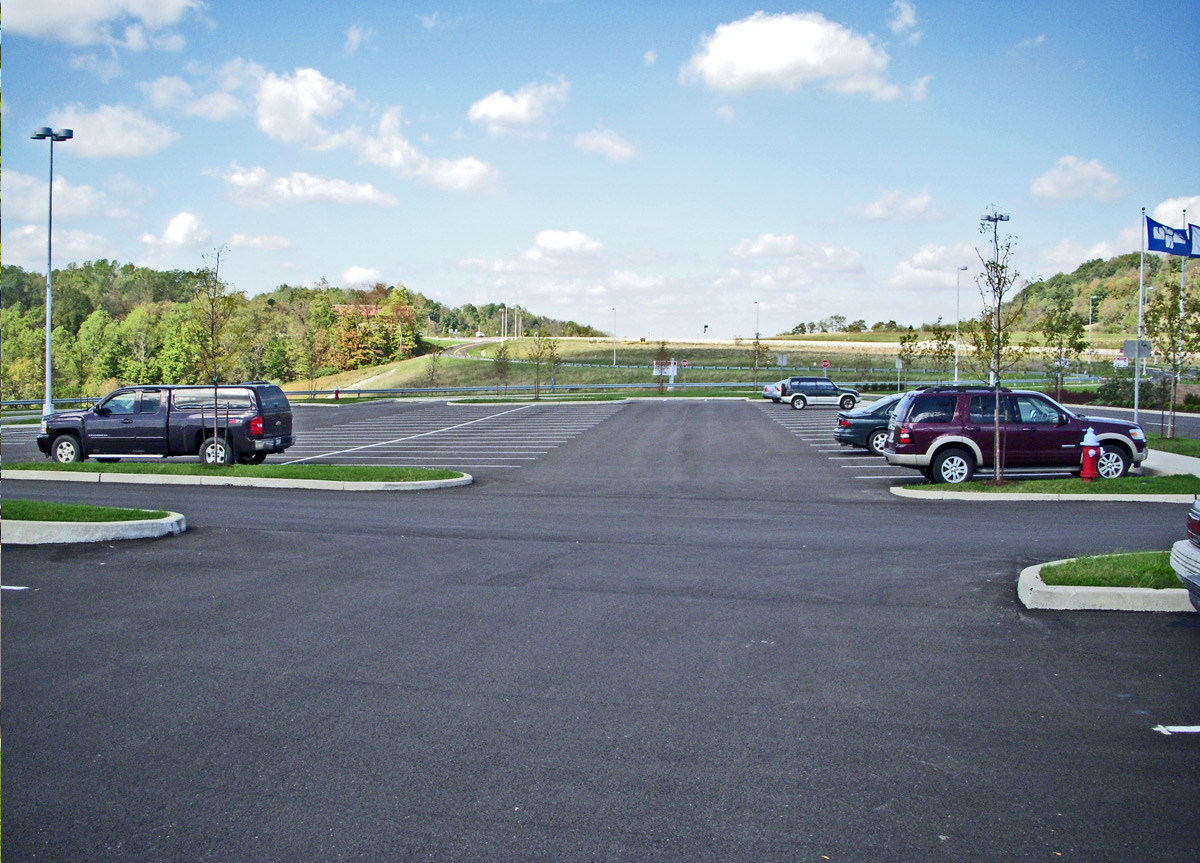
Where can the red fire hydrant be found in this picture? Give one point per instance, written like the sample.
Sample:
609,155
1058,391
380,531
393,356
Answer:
1091,455
336,392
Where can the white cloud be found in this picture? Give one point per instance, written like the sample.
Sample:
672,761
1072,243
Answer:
765,246
91,22
1068,255
502,112
25,198
361,277
893,207
1030,43
26,246
904,21
105,69
174,93
429,22
933,265
267,243
355,37
390,149
112,132
256,185
606,143
552,251
1071,179
725,112
790,51
182,232
650,57
566,242
1169,212
290,108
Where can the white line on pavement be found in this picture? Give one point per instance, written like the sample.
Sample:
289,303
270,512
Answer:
1177,729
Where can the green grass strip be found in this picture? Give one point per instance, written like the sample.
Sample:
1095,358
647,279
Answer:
38,510
1174,484
1177,445
1150,569
334,472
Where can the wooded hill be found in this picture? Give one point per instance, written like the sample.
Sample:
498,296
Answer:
121,324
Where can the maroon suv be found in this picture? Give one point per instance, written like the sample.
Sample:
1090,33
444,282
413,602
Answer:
948,432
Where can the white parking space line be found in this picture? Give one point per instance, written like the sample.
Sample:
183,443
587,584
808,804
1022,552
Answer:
1176,729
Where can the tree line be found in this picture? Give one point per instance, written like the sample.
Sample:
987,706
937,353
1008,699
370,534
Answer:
117,324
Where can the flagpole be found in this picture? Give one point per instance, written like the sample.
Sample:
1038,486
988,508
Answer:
1137,360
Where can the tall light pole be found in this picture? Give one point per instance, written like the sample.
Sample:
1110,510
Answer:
957,314
503,322
996,218
614,311
46,133
756,344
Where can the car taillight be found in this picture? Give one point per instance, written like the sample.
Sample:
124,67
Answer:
902,435
843,422
256,427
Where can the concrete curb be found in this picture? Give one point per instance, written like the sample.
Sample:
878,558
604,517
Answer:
244,481
1035,593
1062,498
16,532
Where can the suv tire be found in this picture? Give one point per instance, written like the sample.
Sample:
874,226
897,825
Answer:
66,449
1113,462
846,403
799,403
216,450
953,466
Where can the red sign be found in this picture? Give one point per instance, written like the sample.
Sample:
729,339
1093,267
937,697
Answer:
824,364
684,364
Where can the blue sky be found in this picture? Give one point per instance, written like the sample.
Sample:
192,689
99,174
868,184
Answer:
708,163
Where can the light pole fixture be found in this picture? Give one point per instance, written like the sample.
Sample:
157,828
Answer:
41,134
957,313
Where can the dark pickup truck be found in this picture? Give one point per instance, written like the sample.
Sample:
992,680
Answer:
245,423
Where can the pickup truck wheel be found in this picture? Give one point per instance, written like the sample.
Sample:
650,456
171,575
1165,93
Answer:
876,441
252,458
847,402
215,450
953,466
798,403
66,449
1112,463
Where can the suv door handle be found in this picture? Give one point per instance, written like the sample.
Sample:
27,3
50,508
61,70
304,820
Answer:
126,422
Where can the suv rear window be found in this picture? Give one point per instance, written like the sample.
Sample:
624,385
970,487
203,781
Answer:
188,399
932,408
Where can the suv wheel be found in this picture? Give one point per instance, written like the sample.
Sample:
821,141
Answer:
876,441
953,466
847,402
1112,463
798,403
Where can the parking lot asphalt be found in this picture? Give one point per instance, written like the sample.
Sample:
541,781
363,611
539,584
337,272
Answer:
682,634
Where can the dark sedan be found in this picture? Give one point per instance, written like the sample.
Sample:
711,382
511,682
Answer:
866,427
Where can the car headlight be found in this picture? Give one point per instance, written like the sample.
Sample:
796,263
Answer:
44,427
1137,434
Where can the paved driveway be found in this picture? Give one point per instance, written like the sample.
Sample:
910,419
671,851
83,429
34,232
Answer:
683,634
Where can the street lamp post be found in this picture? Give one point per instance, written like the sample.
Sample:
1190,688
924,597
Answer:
957,314
46,133
614,311
996,218
756,348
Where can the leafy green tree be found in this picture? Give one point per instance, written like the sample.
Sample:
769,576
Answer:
502,365
536,353
1063,334
939,349
1173,328
910,347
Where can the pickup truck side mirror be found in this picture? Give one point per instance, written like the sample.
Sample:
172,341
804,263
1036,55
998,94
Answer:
101,410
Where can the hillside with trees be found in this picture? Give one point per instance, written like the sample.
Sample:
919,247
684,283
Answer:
122,324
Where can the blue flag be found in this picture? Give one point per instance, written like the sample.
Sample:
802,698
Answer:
1160,238
1194,247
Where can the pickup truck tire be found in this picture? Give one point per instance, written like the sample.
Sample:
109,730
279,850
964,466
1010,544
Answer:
846,403
66,449
953,466
252,458
799,403
1113,462
876,440
216,450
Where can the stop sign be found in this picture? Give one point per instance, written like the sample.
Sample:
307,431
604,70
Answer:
824,364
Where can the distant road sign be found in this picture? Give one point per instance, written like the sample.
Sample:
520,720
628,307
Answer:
1132,349
1120,362
824,364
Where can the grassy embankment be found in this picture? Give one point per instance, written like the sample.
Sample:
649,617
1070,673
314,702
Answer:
1147,569
38,510
334,472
